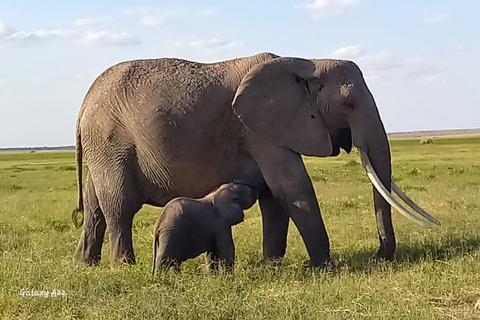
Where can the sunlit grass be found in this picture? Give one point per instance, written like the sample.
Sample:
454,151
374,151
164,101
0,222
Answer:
436,273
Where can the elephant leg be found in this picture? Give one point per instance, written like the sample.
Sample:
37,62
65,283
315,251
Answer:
120,199
121,241
275,226
212,260
89,248
287,177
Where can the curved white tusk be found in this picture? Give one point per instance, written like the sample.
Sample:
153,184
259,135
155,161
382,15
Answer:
372,175
412,204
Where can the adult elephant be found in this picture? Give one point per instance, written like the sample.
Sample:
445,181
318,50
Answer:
152,130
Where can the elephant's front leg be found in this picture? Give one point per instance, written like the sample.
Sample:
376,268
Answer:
275,226
287,177
212,261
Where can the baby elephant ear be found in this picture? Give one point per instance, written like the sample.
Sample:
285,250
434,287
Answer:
227,209
277,99
230,214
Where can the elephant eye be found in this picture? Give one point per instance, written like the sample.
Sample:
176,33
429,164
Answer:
321,87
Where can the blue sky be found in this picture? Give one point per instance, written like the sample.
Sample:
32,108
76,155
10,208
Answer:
420,58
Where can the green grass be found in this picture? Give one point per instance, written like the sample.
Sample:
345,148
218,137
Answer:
436,274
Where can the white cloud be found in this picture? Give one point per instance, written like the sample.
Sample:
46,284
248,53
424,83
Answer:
207,13
24,38
106,38
4,80
138,10
210,45
5,30
150,17
386,67
153,17
10,37
154,20
91,21
435,18
207,48
322,9
350,52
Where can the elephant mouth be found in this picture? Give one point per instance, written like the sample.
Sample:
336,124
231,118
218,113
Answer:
425,219
340,138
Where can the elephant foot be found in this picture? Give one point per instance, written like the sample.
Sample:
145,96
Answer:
382,255
274,261
123,260
386,252
325,265
121,244
274,253
87,261
89,255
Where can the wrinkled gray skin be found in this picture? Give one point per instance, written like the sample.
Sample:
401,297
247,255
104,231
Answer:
153,130
189,227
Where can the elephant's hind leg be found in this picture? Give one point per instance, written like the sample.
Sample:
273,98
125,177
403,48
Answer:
120,199
89,248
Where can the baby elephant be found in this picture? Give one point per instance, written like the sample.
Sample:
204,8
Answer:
189,227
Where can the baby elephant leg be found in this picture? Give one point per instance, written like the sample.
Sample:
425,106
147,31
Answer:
171,264
164,257
224,251
212,260
165,264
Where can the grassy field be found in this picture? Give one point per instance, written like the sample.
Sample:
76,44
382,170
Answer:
436,274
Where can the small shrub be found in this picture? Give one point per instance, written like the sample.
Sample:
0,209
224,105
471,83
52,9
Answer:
20,169
452,170
414,171
352,163
66,168
416,188
316,178
426,141
59,225
349,204
318,175
397,178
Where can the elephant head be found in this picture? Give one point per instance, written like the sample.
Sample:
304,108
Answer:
316,107
231,199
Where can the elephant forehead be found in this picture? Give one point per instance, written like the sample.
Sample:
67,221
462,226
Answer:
326,65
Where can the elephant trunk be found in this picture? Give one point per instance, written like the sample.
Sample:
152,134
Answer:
370,137
379,155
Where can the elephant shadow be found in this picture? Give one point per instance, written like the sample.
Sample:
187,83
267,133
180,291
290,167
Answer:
414,253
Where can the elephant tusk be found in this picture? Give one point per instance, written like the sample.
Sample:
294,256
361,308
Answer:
412,204
372,175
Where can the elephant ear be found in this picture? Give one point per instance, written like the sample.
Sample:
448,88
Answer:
227,209
277,99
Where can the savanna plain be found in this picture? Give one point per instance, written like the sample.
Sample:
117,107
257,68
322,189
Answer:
436,273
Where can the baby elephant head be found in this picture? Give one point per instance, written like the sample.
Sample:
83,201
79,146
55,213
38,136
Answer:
231,199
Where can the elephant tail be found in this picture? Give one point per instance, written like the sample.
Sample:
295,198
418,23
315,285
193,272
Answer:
78,211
